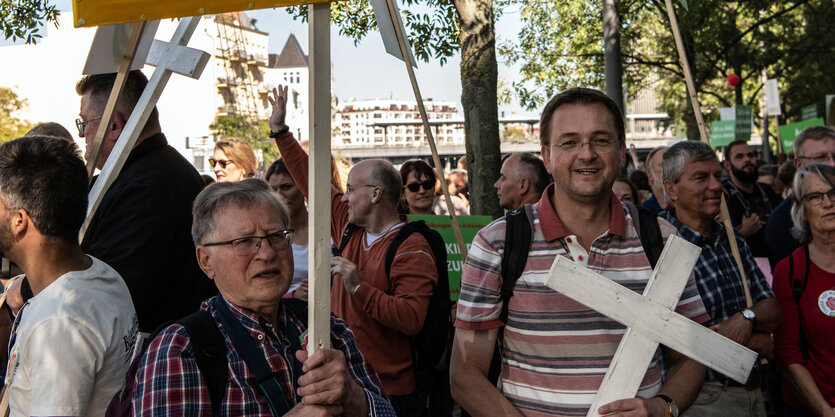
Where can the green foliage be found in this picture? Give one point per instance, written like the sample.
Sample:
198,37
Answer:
10,126
21,19
431,25
256,134
560,46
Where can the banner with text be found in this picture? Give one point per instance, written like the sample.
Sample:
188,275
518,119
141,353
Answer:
789,132
470,225
722,133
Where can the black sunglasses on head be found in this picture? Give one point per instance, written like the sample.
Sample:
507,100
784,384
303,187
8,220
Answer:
427,185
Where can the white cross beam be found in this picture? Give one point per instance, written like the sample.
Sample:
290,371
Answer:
650,320
168,57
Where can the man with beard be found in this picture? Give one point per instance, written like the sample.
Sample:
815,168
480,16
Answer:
749,202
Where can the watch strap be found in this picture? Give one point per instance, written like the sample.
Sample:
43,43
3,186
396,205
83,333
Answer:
280,132
669,402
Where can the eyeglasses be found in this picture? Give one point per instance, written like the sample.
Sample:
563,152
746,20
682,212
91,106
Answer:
250,245
350,188
815,199
820,158
598,145
82,124
222,162
427,185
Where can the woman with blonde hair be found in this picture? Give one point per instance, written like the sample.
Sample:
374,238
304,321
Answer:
233,160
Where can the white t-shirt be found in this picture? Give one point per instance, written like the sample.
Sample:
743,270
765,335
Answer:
73,345
299,266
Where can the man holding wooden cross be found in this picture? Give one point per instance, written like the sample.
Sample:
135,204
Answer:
693,183
142,225
383,310
555,351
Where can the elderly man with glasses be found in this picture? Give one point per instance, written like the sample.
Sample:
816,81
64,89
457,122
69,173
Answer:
243,244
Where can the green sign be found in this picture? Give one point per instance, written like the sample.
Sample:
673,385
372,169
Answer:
722,133
809,112
744,120
789,132
470,225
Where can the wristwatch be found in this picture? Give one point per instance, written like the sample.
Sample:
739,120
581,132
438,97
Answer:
672,408
749,315
281,131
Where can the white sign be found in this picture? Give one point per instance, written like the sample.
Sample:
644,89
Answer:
772,98
109,47
727,113
387,31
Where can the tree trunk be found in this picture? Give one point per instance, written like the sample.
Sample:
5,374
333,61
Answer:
479,78
611,53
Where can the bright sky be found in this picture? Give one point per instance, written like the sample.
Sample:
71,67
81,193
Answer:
366,71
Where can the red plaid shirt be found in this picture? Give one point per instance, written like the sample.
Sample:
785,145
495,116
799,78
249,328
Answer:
168,382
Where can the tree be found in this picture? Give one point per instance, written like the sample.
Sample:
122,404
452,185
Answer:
255,133
720,37
439,28
22,19
11,127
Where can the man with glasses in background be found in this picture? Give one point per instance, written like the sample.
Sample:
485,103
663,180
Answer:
554,351
141,227
385,311
814,145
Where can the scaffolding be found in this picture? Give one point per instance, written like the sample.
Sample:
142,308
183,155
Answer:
238,85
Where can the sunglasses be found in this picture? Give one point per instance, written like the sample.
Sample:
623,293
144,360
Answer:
222,162
427,185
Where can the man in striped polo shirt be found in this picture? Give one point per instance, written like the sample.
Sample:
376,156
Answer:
555,351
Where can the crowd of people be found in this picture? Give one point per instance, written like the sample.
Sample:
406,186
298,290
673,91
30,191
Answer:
187,296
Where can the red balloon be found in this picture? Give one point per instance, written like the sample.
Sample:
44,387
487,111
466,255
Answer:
733,79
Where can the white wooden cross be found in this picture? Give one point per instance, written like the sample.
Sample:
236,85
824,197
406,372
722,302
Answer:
168,57
650,319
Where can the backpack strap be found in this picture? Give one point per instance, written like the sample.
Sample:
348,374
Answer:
346,236
646,223
209,353
399,238
517,244
254,359
798,286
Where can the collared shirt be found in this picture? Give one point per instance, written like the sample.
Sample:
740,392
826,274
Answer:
556,351
717,275
168,381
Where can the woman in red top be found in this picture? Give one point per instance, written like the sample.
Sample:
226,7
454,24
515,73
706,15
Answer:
805,340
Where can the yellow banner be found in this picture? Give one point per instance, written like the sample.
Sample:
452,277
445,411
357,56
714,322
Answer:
109,12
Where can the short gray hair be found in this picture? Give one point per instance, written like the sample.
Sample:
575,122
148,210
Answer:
682,152
248,193
385,176
813,133
800,222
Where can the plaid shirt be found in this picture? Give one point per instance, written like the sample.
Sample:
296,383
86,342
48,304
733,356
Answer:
717,275
168,382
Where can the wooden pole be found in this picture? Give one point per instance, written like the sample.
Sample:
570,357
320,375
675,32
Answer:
319,172
439,169
697,110
121,77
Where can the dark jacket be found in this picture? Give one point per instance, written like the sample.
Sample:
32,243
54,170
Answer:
143,230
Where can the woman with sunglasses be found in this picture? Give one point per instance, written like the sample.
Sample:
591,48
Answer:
418,186
420,190
233,160
804,284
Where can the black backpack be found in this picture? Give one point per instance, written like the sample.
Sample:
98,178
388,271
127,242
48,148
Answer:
429,345
209,352
519,234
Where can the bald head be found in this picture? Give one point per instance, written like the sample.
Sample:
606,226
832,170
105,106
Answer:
382,173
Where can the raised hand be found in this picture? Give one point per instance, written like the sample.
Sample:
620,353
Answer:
278,99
